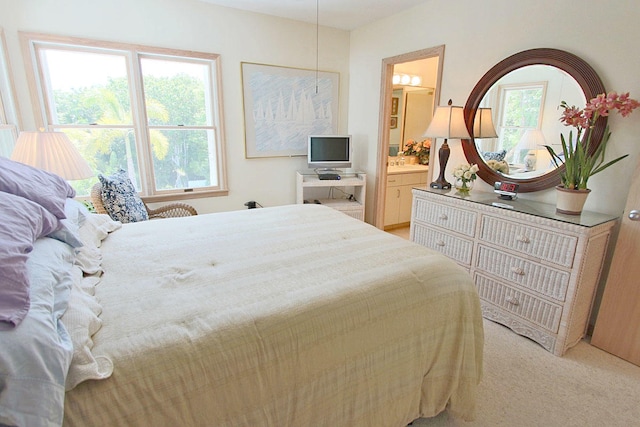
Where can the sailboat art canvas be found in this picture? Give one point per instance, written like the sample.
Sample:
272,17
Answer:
283,106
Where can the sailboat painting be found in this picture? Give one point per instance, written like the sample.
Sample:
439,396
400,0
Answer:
283,106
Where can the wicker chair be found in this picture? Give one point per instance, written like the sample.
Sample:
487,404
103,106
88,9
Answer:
172,210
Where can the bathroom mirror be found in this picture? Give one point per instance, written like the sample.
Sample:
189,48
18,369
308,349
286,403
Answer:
413,107
524,92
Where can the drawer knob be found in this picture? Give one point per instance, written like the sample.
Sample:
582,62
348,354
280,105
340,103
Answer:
512,300
440,243
443,217
517,270
523,239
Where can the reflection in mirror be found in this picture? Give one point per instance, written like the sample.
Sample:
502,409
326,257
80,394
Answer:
523,101
414,113
524,91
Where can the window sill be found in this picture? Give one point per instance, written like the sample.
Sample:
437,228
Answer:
184,196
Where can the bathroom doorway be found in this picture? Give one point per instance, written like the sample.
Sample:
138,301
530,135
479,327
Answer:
396,123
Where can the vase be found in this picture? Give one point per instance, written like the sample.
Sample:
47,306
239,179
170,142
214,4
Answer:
463,186
413,160
570,202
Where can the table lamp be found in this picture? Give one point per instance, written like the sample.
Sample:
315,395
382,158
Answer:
448,122
532,140
52,152
483,124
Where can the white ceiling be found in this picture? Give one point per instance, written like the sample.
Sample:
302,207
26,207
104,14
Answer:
342,14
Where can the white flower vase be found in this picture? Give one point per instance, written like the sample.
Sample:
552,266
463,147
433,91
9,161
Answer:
463,186
570,202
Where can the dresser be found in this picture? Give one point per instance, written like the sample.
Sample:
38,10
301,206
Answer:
536,271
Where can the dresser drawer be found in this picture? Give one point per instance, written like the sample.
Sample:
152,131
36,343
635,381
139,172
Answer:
536,277
545,245
454,247
446,217
529,307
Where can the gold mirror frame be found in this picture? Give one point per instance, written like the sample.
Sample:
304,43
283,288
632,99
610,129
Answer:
584,75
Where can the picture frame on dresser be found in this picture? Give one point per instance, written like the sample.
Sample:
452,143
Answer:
536,271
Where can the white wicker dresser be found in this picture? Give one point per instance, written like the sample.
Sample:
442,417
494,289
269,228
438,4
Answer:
536,271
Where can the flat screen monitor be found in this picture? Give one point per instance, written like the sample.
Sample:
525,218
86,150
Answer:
329,151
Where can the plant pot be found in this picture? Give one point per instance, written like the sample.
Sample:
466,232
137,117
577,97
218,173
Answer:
570,202
413,160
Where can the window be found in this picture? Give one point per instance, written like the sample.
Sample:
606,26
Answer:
8,113
150,111
520,110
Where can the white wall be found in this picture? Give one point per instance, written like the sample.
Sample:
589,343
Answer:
479,34
191,25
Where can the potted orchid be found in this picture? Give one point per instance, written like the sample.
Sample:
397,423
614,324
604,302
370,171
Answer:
580,159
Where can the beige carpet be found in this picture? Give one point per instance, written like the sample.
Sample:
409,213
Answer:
524,385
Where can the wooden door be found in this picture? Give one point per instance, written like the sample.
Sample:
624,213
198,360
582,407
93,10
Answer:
617,328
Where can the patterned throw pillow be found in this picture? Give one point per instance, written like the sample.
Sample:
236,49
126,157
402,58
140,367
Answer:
494,155
121,199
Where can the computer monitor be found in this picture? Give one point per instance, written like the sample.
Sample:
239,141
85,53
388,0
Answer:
329,151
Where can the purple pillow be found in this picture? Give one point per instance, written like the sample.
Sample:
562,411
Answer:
47,189
23,222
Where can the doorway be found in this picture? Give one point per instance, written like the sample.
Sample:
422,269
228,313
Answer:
413,63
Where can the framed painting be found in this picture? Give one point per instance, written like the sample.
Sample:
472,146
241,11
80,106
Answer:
283,106
394,106
394,123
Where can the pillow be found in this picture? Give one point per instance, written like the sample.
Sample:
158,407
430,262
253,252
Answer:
121,199
76,211
47,189
36,355
494,155
23,222
68,231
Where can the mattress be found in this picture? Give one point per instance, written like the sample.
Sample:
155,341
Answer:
287,316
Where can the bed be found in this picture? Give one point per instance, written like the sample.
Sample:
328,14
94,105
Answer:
286,316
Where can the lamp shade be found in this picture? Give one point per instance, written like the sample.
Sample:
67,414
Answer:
483,124
532,139
52,152
448,122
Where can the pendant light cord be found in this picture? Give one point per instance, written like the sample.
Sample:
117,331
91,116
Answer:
317,41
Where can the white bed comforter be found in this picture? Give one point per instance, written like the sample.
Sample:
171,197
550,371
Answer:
288,316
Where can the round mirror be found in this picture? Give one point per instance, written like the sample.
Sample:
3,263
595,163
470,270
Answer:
519,98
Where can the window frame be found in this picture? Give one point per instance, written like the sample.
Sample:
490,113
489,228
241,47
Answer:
502,91
133,54
9,115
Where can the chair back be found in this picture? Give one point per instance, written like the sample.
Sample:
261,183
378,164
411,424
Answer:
171,210
96,199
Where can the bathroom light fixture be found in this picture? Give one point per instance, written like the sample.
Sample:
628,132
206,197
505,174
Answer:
406,80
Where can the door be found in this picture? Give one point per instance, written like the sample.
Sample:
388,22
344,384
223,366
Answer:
430,58
617,328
